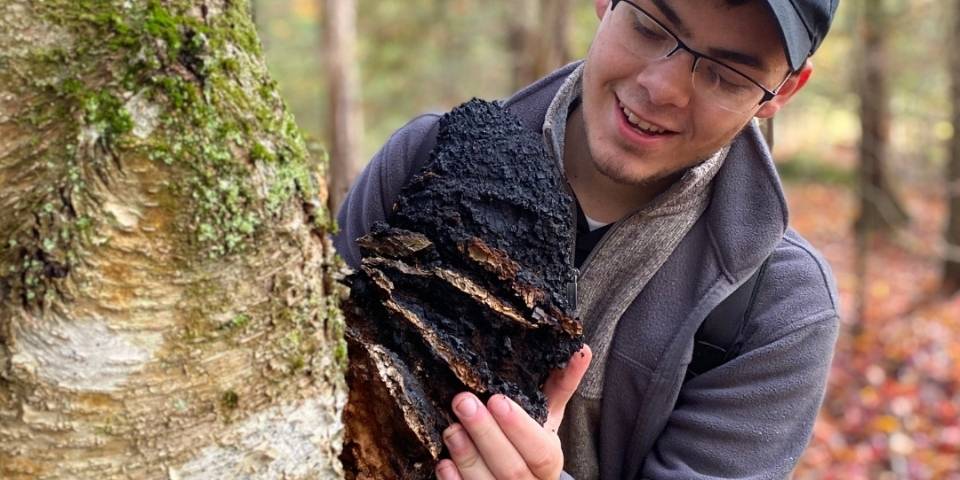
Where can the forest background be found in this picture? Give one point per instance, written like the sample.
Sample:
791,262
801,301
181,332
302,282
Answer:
868,182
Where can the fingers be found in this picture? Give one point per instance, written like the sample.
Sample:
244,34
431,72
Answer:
447,470
489,445
465,460
539,448
562,383
500,440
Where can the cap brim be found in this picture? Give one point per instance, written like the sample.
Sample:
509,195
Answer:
796,40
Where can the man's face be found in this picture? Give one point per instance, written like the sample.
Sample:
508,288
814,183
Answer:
622,91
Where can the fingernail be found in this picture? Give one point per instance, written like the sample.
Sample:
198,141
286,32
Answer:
445,470
455,439
467,406
499,405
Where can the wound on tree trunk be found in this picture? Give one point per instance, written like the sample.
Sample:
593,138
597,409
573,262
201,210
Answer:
467,287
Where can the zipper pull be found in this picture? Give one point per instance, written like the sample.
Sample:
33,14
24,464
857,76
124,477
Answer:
572,289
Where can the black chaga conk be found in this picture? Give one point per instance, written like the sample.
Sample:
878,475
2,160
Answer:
467,286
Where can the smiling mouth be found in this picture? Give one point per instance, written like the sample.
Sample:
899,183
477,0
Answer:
639,124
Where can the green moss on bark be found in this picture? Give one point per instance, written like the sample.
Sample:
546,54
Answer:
222,122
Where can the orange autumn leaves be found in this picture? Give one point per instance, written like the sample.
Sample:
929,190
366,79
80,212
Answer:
893,405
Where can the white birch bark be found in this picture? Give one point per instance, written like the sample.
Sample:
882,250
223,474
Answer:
167,309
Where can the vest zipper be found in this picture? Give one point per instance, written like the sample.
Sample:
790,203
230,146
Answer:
572,289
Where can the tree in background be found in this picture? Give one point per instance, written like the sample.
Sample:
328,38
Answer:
951,275
880,210
164,270
345,112
539,38
766,128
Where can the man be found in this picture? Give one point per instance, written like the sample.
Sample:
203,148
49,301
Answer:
680,205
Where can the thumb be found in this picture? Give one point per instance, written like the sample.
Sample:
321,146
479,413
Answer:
562,383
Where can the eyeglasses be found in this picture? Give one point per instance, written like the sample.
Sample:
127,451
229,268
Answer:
718,83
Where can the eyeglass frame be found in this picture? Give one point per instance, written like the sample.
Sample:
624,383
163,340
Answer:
767,93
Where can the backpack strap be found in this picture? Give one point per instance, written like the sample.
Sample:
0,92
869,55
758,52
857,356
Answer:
720,336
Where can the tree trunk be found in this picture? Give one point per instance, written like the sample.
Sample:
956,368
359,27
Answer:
554,35
951,274
538,39
766,128
167,308
521,26
345,118
880,210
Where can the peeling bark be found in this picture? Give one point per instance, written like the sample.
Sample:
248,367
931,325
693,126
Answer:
467,287
167,309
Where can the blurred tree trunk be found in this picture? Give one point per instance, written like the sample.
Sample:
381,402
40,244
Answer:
766,128
345,116
521,19
951,275
880,210
167,307
554,35
539,38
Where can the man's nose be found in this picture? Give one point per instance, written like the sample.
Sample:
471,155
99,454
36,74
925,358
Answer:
669,80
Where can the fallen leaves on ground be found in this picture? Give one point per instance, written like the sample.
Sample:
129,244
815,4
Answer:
893,405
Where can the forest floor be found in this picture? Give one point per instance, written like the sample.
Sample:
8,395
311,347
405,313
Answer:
893,406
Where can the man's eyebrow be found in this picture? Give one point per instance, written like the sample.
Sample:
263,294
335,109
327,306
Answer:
717,53
737,57
672,16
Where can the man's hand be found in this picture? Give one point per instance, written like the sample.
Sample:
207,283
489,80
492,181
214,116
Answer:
500,440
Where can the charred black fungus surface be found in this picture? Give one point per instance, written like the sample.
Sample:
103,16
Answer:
465,287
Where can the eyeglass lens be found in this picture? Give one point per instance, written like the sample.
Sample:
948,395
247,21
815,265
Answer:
719,84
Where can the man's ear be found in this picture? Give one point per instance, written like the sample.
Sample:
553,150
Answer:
794,84
601,6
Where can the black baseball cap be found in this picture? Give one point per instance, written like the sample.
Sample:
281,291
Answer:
803,24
